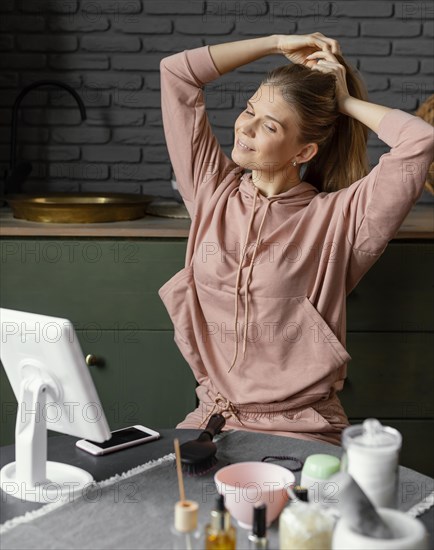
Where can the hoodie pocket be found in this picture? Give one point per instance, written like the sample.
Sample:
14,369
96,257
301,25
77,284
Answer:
323,333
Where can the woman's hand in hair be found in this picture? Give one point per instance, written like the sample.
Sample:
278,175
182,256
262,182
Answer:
326,62
296,47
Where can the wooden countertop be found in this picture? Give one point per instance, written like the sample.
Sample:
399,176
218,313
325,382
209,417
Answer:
419,224
149,226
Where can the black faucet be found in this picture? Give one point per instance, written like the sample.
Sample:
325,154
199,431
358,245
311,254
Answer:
19,172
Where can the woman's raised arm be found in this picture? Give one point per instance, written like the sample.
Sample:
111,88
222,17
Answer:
230,55
370,114
294,47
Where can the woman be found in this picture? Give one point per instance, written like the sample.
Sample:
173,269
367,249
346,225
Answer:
271,256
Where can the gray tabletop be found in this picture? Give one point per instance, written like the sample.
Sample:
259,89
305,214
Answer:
101,523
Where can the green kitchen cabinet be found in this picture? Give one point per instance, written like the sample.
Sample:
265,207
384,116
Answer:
108,288
139,376
104,284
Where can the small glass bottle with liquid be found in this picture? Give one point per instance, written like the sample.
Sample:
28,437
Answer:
220,533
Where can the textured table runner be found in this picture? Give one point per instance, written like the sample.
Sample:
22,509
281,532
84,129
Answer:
135,509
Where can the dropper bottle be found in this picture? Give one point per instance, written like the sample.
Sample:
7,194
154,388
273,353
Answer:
258,538
220,534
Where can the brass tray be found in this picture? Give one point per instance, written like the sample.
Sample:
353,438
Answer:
78,207
167,208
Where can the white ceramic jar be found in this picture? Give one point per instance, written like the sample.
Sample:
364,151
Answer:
371,457
409,534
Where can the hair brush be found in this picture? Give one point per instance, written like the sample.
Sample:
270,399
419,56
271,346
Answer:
198,456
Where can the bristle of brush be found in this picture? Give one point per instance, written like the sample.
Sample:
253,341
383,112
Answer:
198,456
200,468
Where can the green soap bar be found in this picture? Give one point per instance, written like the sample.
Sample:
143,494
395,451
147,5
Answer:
321,466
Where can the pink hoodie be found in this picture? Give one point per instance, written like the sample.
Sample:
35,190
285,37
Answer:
285,298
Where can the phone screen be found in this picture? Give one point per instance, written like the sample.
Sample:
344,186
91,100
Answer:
122,436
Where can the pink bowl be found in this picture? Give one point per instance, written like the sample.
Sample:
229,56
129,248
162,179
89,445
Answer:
246,483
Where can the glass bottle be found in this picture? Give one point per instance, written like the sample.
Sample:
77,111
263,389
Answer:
258,537
185,532
220,534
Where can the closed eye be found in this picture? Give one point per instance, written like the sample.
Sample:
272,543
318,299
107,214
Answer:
268,127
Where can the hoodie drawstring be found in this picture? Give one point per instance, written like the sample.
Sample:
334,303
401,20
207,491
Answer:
247,280
222,405
238,280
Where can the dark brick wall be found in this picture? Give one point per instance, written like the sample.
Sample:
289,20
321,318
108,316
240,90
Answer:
109,51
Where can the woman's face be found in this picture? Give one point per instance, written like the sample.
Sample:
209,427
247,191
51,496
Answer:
268,128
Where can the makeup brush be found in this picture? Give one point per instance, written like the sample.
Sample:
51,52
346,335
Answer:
198,456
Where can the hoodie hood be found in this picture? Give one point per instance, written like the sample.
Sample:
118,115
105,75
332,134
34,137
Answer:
299,195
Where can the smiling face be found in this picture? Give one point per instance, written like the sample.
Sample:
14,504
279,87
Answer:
266,137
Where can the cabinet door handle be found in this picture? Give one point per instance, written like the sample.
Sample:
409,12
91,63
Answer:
94,361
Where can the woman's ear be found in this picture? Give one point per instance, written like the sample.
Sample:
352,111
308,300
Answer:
307,153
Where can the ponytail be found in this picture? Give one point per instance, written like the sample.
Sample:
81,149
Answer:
342,140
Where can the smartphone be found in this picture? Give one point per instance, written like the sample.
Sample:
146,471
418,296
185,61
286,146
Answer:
120,439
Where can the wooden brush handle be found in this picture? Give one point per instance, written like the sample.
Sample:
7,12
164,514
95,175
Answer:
215,425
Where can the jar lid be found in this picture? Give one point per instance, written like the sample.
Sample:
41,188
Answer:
321,466
186,513
373,435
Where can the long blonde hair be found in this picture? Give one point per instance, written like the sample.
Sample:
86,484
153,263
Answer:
342,140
